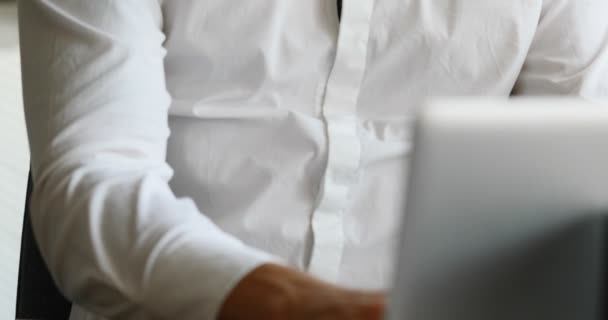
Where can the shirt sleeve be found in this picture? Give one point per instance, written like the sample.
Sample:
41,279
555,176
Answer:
569,53
115,238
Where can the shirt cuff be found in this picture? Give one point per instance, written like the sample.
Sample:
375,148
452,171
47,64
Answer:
240,265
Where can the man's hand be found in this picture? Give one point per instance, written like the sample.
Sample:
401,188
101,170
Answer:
274,292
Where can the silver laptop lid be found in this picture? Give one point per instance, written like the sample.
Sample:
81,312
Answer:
506,212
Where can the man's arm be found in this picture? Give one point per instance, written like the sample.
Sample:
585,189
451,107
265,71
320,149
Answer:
113,234
569,54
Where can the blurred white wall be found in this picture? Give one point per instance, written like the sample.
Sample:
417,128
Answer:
14,159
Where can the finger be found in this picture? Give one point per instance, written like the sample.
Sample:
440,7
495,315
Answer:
373,310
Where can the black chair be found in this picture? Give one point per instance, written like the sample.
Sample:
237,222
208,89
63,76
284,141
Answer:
37,296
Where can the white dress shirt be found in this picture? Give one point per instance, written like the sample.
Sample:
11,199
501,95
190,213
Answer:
178,144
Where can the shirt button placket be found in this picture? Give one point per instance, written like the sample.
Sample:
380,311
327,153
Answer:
344,146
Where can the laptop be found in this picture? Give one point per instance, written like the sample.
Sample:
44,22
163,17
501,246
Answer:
506,212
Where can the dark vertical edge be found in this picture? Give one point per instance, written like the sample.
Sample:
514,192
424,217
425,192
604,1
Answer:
23,261
37,295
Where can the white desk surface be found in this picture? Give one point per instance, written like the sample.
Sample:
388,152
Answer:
14,159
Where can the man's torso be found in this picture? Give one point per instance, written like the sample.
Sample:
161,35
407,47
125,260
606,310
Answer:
292,132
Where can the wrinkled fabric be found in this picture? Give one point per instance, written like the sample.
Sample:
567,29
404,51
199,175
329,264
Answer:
176,145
